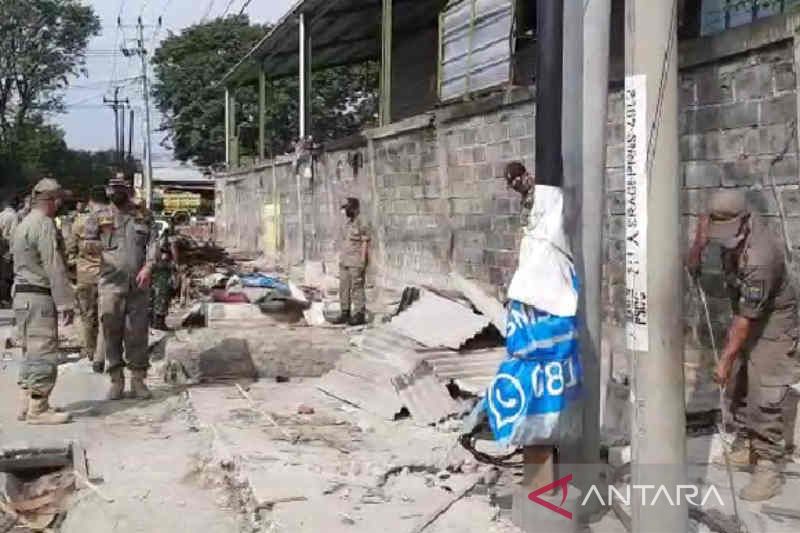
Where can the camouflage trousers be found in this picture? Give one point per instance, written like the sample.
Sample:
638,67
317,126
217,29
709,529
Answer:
764,413
161,292
37,332
351,289
86,294
123,326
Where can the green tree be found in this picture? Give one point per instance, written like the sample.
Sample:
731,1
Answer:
189,65
42,45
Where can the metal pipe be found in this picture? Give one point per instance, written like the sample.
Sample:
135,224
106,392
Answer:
654,283
549,57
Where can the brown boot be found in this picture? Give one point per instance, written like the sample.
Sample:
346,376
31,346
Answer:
24,399
765,483
739,455
117,389
40,413
139,388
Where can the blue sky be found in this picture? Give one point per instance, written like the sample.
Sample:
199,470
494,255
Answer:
89,125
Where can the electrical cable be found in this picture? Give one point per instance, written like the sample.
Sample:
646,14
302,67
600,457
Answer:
722,403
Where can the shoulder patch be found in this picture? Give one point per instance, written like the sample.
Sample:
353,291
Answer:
754,291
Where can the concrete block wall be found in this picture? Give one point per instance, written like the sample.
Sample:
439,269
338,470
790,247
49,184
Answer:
435,204
737,130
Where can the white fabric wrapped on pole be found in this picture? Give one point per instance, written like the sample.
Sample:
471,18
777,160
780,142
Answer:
544,275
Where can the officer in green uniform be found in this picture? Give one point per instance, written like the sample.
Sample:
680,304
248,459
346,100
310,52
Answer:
353,258
126,238
41,291
764,331
163,286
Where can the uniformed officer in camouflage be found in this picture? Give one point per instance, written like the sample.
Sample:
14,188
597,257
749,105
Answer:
163,285
41,291
764,331
353,256
8,221
87,267
125,236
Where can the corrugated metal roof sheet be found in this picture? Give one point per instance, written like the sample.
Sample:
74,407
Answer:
385,373
424,396
472,371
437,322
487,305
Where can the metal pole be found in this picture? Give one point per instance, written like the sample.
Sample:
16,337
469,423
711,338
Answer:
654,284
305,82
386,64
549,58
596,39
122,136
538,461
148,184
227,127
262,113
130,136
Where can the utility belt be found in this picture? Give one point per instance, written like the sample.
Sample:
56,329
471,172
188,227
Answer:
31,289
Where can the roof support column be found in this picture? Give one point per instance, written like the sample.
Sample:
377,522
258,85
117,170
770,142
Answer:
386,64
231,135
305,77
262,112
227,127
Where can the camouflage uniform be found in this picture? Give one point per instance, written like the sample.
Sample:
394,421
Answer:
162,291
87,267
124,236
41,287
761,291
8,221
352,267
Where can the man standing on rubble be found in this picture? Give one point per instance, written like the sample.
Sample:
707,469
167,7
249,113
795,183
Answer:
41,290
87,267
763,334
125,237
353,256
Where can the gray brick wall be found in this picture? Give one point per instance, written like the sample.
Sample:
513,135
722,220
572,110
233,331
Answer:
436,203
737,117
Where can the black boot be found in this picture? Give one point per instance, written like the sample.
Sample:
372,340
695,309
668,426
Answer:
344,318
358,320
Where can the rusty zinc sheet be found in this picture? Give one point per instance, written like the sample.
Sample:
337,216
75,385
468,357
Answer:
437,322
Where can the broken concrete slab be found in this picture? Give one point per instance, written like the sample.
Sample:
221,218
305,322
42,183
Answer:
205,356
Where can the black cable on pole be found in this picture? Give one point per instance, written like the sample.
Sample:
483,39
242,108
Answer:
549,91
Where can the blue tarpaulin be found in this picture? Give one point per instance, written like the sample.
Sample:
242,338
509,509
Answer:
264,282
539,380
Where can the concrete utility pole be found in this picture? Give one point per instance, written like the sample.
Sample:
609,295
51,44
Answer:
654,282
596,42
141,51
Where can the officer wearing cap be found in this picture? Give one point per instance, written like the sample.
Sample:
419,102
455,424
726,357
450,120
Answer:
125,236
87,268
41,290
353,252
763,334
